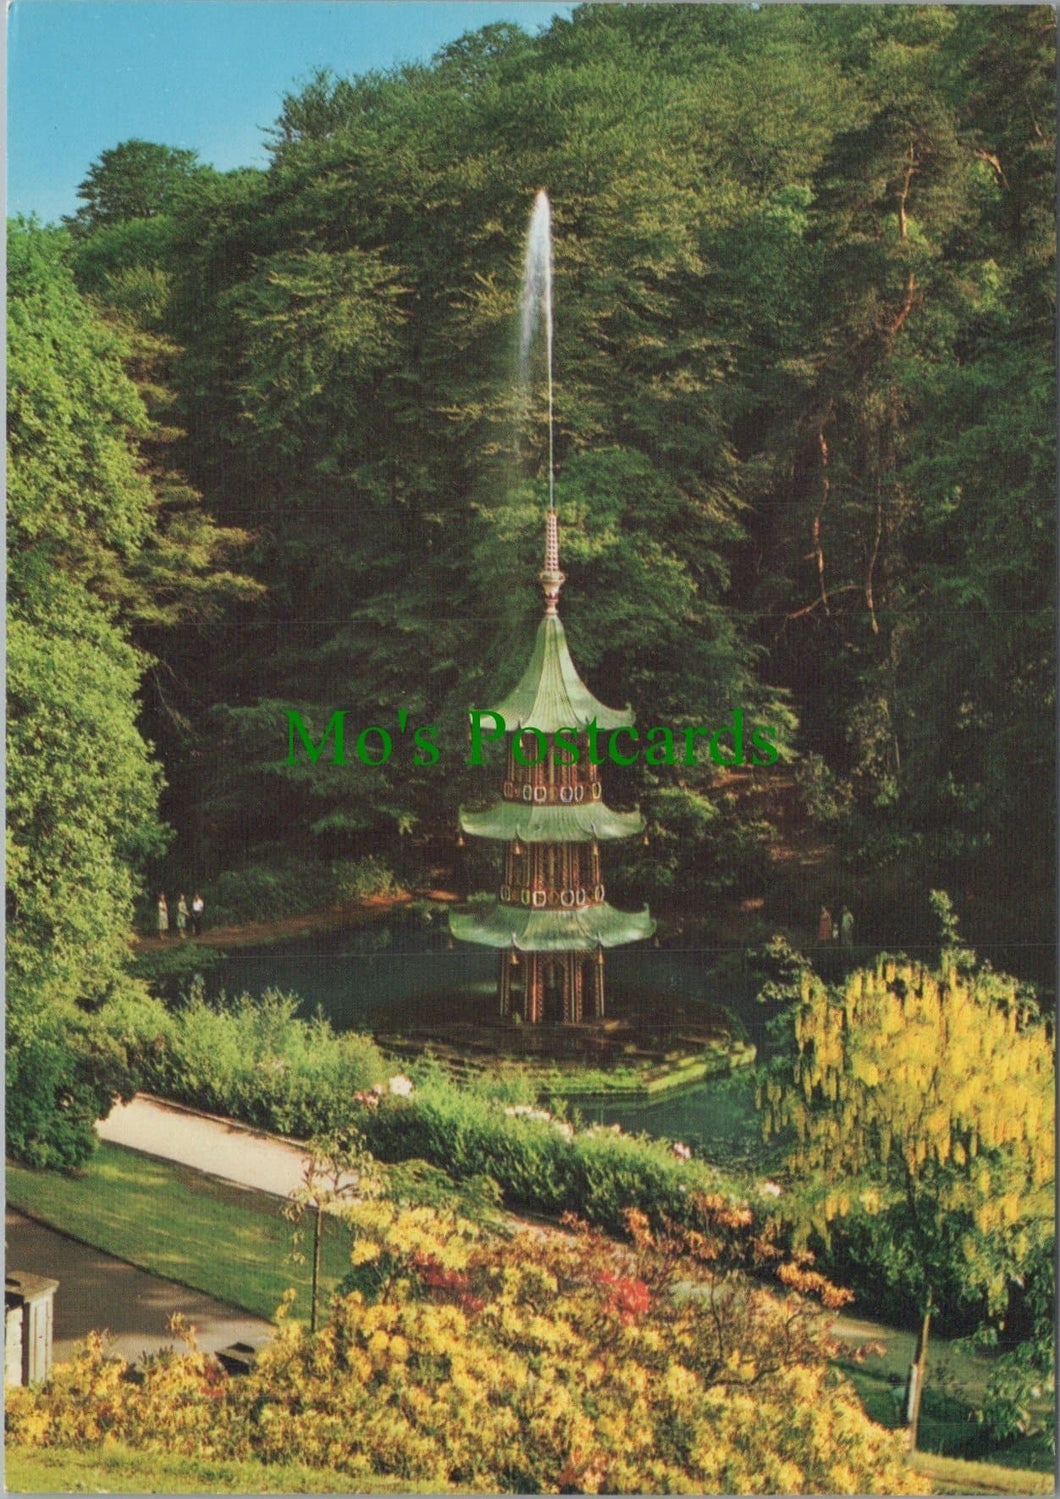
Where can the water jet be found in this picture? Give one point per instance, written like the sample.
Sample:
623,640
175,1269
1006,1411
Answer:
552,922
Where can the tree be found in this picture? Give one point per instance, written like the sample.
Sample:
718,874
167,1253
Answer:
103,541
337,1169
82,788
804,359
135,180
927,1097
348,381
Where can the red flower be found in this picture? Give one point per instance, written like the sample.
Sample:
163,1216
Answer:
629,1298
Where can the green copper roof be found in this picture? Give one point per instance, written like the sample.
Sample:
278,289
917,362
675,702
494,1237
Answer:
529,930
551,695
578,823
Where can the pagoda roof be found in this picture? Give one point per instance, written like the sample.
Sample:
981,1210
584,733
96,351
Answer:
551,695
579,822
582,930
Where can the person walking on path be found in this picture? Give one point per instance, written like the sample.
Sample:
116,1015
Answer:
182,917
824,926
198,905
846,929
163,915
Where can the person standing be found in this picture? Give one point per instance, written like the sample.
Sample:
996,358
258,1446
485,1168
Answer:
182,917
846,929
198,905
824,926
163,915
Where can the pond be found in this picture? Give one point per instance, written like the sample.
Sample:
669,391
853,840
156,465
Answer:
353,977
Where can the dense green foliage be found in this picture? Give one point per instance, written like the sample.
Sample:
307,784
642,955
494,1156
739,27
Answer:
290,887
254,1060
804,406
541,1165
82,788
91,552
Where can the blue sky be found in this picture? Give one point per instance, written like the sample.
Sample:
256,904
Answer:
207,74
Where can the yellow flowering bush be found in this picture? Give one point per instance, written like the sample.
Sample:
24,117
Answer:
545,1362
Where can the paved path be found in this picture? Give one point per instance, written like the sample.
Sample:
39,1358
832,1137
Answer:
98,1291
221,1148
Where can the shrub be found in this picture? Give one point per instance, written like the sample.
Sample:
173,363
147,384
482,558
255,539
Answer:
828,799
548,1362
256,1060
361,879
269,892
540,1165
64,1071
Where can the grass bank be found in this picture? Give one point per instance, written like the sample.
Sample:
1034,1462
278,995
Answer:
950,1475
119,1470
949,1430
225,1240
59,1470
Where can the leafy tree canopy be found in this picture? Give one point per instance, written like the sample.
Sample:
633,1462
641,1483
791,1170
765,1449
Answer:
928,1096
136,180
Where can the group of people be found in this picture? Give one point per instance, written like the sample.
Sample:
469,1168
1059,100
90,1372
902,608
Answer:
840,930
185,914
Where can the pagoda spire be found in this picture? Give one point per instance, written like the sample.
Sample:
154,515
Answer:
550,578
553,920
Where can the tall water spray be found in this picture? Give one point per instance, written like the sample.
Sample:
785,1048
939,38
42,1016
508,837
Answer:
537,299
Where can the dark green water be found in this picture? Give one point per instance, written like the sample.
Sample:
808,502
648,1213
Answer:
353,977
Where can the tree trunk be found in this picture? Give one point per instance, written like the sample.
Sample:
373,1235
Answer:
316,1268
919,1363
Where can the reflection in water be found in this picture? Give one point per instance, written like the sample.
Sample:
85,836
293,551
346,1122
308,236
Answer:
717,1118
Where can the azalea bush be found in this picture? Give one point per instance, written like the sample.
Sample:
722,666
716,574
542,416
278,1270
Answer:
548,1362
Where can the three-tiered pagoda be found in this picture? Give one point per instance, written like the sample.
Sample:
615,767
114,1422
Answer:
552,922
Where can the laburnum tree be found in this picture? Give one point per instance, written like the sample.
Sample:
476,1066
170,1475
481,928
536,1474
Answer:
927,1096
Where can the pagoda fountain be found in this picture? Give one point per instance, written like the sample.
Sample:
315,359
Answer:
552,922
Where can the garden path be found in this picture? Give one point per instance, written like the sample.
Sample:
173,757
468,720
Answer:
219,1147
97,1290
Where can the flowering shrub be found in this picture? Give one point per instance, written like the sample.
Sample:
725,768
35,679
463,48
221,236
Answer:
547,1362
540,1163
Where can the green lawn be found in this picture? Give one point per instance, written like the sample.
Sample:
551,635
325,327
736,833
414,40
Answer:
956,1380
119,1470
224,1240
235,1245
949,1475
